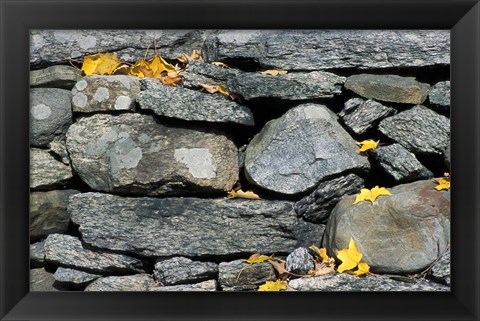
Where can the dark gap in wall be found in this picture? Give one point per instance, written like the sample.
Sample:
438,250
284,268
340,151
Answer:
435,163
78,184
244,64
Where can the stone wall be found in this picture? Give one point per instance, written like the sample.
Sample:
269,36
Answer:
129,177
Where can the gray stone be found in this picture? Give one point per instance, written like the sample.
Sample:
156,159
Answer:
57,46
317,206
299,261
132,153
331,49
181,270
46,172
210,285
398,234
183,103
439,96
193,227
392,88
50,115
69,251
399,163
240,276
447,157
350,105
346,282
293,153
59,150
74,278
250,85
41,280
441,269
37,254
59,76
365,116
48,212
137,283
105,93
419,129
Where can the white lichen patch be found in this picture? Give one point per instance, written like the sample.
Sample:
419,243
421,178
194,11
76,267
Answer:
101,94
102,144
81,85
124,80
86,42
37,41
75,54
123,103
125,154
144,138
41,112
80,100
199,161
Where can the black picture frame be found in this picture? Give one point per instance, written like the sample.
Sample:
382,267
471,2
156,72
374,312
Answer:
17,17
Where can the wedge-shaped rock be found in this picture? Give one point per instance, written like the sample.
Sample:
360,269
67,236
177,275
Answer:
134,154
439,96
240,276
331,49
104,93
210,285
58,76
69,251
303,147
390,88
74,278
398,234
365,115
182,103
181,270
137,282
419,129
189,226
46,172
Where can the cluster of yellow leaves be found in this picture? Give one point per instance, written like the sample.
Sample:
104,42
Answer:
241,194
350,258
443,182
371,195
367,145
274,72
271,286
323,264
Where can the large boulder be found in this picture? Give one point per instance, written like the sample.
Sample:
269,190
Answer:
293,153
398,234
193,227
132,153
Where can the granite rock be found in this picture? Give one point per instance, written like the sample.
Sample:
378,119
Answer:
239,276
441,269
181,270
46,172
137,283
41,280
299,261
364,116
439,96
58,76
74,278
209,285
37,254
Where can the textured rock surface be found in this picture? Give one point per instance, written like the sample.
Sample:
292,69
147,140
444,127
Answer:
346,282
37,254
182,103
137,282
390,88
399,163
441,269
134,154
439,96
397,234
68,251
41,280
50,115
296,151
299,261
181,270
103,93
57,46
447,156
190,226
45,171
48,212
331,49
317,206
239,276
364,116
419,129
74,278
58,76
210,285
59,150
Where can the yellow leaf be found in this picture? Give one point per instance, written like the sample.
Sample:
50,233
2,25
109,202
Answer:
196,55
367,145
258,258
242,194
371,195
274,72
443,183
217,89
363,268
100,64
278,285
171,81
350,257
220,64
322,252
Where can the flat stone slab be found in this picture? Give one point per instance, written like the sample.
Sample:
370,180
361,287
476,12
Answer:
69,251
365,115
46,172
74,278
181,270
210,285
58,76
134,154
331,49
137,282
193,227
239,276
183,103
391,88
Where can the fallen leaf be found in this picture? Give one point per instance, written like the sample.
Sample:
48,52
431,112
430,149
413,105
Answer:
322,253
371,195
363,268
443,183
258,258
274,72
242,194
100,64
367,145
171,81
185,58
280,267
278,285
212,89
350,257
220,64
321,269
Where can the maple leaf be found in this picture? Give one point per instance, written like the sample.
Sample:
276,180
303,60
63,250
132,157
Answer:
350,257
220,64
367,145
278,285
443,183
371,195
242,194
100,64
274,72
322,253
258,258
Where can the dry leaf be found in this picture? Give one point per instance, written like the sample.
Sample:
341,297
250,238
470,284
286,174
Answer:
217,89
196,55
242,194
322,253
278,285
280,267
321,269
274,72
169,81
350,257
443,183
220,64
100,64
363,268
371,195
367,145
258,258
